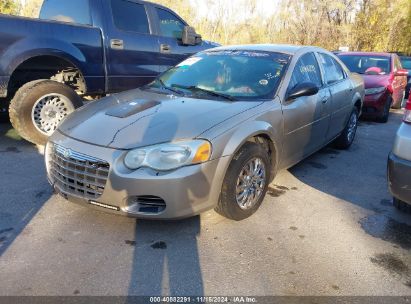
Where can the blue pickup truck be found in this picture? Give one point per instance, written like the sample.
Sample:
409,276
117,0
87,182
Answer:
84,49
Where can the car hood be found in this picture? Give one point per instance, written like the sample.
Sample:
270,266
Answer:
375,81
139,118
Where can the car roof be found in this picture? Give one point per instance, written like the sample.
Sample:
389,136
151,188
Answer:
278,48
365,54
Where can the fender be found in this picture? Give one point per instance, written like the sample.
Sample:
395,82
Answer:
29,48
234,141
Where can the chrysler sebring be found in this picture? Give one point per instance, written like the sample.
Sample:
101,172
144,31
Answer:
211,132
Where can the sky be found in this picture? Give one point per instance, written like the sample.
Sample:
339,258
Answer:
264,7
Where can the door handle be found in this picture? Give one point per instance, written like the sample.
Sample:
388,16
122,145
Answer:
165,48
116,44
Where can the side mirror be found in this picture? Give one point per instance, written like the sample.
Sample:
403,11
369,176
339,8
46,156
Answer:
190,37
303,89
401,72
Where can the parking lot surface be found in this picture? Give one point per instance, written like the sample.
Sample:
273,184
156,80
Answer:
326,227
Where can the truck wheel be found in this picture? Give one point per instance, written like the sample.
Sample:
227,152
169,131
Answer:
39,106
346,138
386,112
402,206
245,183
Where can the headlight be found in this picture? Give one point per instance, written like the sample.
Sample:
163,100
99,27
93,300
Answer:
169,156
373,91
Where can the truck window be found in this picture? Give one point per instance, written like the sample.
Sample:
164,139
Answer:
130,16
73,11
170,25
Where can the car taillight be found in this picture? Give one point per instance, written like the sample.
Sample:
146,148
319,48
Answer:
407,114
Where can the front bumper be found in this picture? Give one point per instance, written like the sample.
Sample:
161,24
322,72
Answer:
399,178
186,192
374,104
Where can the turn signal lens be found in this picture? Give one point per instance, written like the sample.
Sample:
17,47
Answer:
203,153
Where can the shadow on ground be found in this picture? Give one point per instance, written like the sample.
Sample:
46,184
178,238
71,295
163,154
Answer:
22,172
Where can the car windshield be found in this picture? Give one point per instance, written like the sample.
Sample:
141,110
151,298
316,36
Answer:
233,75
406,62
367,64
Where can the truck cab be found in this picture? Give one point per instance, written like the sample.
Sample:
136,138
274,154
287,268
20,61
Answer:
90,48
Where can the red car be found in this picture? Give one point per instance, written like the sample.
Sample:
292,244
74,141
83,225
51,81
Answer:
384,78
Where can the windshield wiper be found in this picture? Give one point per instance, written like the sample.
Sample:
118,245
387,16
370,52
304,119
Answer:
198,89
163,86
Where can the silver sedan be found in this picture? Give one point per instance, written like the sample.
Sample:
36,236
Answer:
211,132
399,164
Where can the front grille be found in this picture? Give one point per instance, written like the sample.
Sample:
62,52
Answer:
76,173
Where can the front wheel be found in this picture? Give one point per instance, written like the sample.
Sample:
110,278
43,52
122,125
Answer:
39,106
386,111
346,138
245,183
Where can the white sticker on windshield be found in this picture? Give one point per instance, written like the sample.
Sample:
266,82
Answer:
263,82
189,62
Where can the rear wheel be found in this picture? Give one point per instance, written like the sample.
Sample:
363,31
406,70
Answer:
402,206
245,183
39,106
346,138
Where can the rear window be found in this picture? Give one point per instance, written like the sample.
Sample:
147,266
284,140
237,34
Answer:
130,16
367,64
406,62
73,11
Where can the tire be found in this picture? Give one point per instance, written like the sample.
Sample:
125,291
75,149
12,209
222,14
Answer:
228,205
346,138
402,206
27,107
386,112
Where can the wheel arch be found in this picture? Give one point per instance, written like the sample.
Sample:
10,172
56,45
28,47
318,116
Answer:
48,66
259,132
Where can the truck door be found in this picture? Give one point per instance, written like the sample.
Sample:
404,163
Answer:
132,50
169,32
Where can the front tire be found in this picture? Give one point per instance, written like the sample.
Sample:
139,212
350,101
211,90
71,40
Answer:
386,112
346,138
39,106
245,183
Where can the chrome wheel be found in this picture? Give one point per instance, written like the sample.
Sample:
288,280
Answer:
49,110
352,127
251,183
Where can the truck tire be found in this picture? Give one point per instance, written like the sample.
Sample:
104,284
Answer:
253,184
346,138
39,106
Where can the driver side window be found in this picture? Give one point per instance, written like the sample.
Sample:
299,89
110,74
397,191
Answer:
306,70
170,25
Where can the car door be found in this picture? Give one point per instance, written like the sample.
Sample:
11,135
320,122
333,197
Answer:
306,118
341,90
132,49
169,33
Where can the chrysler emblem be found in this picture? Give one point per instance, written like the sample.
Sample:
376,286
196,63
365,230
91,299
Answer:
67,153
